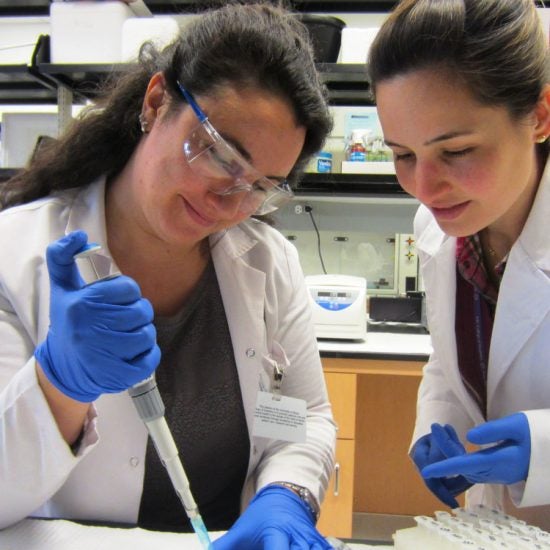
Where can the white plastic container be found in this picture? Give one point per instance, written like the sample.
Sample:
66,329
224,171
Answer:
160,30
18,37
87,32
367,167
356,42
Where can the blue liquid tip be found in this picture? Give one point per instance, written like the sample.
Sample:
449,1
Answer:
202,533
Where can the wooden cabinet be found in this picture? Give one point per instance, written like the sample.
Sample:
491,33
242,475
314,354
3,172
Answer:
337,510
374,405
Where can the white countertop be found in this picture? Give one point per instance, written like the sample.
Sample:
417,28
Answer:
403,346
36,534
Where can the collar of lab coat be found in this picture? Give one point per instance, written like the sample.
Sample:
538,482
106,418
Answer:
533,238
242,260
242,286
524,295
88,212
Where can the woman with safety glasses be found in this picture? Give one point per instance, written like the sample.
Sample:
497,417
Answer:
167,173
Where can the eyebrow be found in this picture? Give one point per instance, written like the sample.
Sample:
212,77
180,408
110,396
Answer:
236,145
437,139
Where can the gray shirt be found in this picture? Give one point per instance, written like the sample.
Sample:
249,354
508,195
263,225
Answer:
199,384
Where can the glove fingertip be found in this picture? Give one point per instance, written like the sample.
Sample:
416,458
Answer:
65,248
438,431
426,472
449,428
482,434
60,259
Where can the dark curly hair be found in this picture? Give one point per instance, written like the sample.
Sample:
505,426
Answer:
250,44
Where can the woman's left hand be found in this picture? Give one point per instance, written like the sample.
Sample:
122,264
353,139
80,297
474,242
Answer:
276,519
506,462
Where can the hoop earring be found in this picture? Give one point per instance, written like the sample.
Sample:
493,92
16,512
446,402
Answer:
143,123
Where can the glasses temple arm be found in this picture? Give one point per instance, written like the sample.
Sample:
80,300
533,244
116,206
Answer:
189,98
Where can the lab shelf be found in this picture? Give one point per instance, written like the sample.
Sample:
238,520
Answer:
84,81
18,85
28,7
343,6
37,82
338,184
347,84
42,7
24,83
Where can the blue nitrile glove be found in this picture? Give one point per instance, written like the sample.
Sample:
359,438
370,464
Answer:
276,519
101,338
505,463
436,446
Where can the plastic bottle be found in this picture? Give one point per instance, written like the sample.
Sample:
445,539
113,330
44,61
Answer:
324,162
357,151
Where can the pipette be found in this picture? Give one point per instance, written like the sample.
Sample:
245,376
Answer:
148,402
150,407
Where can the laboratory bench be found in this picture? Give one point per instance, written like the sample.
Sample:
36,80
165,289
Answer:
59,534
372,386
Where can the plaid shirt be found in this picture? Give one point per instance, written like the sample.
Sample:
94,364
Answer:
470,264
473,355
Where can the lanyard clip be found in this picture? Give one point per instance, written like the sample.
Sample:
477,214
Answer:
278,374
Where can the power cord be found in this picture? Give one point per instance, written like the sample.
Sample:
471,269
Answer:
309,210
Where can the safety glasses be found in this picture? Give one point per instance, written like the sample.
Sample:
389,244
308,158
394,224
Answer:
227,171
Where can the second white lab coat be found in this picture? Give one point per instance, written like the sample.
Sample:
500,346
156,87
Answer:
519,361
266,303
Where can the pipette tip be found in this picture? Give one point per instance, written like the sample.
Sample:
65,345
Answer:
202,533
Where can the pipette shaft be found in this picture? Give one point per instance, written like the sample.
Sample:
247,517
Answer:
150,407
148,402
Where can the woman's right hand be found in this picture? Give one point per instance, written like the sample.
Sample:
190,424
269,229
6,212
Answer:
101,337
438,445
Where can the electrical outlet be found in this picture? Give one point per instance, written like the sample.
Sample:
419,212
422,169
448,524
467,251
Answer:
298,209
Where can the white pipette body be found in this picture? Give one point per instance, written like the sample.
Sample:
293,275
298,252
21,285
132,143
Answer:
150,407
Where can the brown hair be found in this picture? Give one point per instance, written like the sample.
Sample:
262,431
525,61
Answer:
496,48
244,45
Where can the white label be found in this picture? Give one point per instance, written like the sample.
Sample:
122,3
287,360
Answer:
280,417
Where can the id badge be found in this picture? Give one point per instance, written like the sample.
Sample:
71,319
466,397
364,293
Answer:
280,417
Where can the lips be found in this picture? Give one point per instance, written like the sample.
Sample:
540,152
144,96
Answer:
197,216
449,212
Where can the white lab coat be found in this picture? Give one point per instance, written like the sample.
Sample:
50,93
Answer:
266,301
519,361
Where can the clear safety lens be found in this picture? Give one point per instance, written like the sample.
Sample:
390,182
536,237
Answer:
212,158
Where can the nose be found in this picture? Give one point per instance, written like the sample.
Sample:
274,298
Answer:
430,181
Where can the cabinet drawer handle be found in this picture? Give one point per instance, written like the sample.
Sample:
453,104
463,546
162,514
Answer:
336,479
